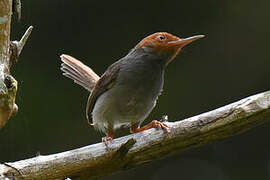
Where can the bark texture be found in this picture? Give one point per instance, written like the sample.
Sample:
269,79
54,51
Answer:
9,53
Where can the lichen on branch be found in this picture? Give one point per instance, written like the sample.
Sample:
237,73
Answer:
9,53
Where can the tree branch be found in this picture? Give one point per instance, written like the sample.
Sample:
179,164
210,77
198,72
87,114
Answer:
98,160
9,53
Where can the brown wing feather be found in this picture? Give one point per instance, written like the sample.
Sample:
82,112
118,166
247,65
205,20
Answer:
104,83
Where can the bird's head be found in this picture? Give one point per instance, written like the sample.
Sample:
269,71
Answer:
165,44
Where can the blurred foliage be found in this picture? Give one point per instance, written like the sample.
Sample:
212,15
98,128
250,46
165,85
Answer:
232,62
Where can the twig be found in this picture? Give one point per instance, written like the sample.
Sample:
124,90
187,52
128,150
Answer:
23,40
98,160
17,46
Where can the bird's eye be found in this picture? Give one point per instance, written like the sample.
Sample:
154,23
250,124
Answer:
161,37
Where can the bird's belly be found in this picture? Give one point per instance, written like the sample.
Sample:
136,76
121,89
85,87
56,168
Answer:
123,105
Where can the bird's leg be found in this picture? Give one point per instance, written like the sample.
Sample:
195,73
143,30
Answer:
109,135
154,124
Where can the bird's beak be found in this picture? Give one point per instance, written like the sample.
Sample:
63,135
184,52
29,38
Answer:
183,42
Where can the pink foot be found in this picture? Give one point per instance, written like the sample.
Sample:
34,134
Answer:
154,124
160,125
107,139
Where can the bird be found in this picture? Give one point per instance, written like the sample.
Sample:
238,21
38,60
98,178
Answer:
128,90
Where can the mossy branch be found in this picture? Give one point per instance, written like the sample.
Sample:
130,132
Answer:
9,53
98,160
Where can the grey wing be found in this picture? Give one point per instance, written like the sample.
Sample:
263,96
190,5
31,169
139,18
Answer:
78,72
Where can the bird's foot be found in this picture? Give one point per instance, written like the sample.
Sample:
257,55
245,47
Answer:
107,139
154,124
109,136
160,125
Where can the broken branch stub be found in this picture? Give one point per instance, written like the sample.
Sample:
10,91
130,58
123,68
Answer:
9,53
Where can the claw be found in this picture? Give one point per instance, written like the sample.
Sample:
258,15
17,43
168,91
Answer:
160,125
107,139
109,135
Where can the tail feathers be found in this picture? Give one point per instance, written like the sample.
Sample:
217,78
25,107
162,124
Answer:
73,76
78,72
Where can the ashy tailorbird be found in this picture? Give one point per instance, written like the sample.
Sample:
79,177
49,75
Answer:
128,90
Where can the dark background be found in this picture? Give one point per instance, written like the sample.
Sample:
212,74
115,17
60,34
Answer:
230,63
